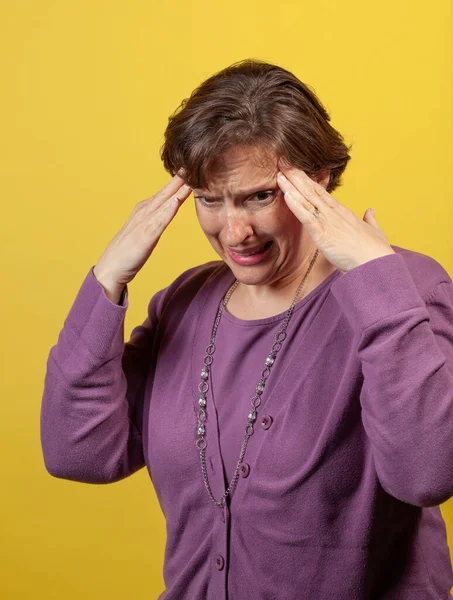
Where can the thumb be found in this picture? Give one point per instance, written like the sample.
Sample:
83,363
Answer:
370,218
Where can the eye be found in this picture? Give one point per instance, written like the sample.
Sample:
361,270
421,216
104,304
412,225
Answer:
206,201
263,196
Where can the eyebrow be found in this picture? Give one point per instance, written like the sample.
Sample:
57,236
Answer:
242,193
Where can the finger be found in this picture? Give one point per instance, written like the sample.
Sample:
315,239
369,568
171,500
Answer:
288,186
161,217
172,186
168,191
308,187
182,194
302,209
370,218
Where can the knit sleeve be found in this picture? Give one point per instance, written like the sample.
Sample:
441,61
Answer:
92,403
405,345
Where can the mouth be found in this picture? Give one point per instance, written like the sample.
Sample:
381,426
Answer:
251,256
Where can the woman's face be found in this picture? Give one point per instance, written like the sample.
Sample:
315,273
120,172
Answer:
246,219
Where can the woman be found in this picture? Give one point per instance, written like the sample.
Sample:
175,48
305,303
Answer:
292,402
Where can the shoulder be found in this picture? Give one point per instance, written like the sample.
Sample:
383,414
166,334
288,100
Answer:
425,271
187,286
196,277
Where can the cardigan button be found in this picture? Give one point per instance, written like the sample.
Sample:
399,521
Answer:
219,562
266,421
244,469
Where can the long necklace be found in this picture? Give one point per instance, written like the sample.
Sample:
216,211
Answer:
203,387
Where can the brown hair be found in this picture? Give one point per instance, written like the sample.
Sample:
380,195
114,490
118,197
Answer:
253,103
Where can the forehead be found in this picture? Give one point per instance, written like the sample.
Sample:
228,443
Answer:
242,165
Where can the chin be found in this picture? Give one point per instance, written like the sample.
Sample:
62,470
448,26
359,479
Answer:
256,275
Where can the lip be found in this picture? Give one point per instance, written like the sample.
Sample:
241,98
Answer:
250,256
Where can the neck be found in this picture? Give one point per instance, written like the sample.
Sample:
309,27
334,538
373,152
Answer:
261,301
287,286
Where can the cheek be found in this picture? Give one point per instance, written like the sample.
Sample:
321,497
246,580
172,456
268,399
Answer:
209,221
278,221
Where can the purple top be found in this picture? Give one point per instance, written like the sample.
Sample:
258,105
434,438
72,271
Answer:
352,449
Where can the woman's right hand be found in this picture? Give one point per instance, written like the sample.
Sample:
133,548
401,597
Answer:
133,244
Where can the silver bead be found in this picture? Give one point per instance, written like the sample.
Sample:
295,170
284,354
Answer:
252,416
201,429
269,361
260,388
202,402
204,374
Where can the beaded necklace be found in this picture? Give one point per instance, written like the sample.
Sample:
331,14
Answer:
203,387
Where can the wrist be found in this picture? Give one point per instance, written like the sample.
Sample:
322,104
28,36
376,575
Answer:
113,290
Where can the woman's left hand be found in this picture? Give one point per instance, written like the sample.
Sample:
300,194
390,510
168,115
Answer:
344,239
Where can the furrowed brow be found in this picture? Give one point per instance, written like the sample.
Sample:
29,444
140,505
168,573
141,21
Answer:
242,193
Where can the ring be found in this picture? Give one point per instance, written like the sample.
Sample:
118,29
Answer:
316,213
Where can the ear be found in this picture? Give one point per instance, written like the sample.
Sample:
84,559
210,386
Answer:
323,178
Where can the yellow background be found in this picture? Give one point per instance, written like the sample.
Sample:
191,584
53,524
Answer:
87,89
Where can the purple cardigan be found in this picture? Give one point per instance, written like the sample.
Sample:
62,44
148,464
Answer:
352,452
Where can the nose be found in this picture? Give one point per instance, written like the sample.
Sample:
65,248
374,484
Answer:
238,227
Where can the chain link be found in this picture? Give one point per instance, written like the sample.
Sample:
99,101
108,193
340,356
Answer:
203,387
